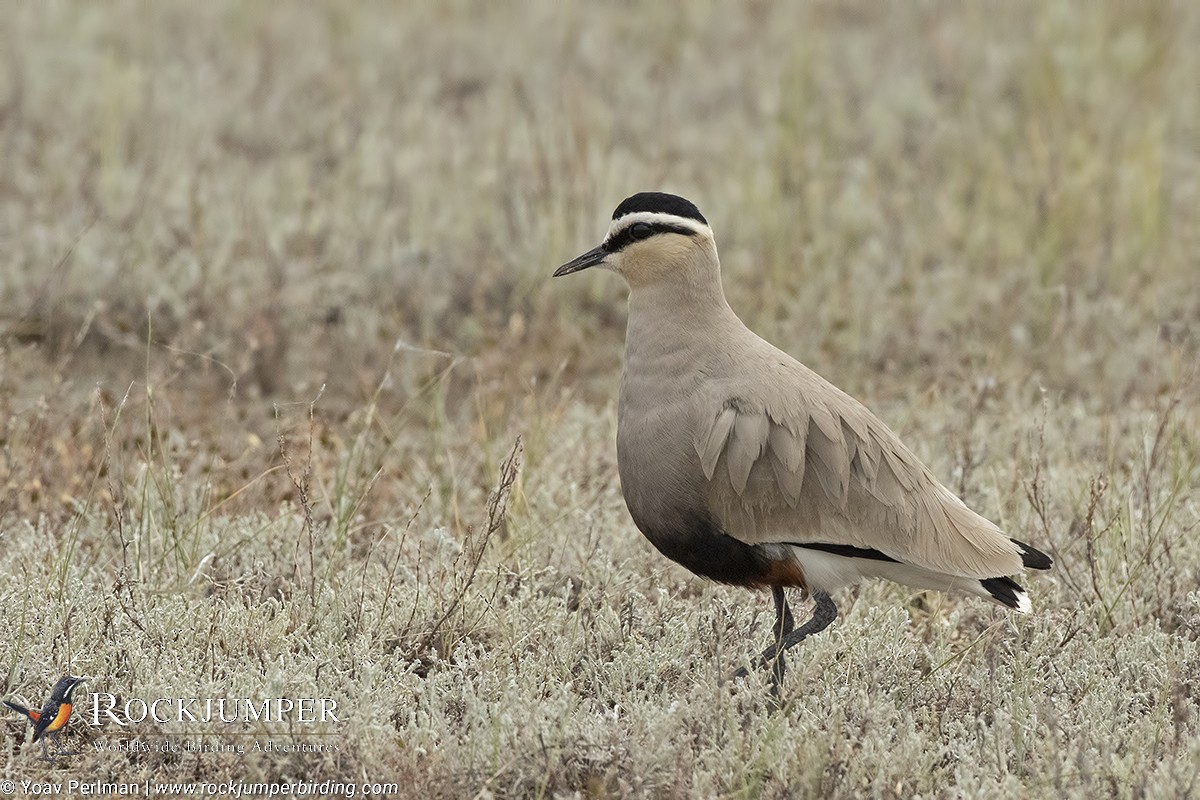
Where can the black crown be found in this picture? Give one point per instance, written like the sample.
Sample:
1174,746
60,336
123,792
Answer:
661,203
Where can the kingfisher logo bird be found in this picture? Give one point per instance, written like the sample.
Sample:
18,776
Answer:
53,717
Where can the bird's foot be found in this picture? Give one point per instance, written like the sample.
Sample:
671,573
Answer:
824,613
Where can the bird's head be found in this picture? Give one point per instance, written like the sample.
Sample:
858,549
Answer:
653,237
65,686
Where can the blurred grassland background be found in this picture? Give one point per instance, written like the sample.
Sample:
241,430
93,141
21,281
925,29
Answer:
274,309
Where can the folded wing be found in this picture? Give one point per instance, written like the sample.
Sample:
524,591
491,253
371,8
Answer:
806,470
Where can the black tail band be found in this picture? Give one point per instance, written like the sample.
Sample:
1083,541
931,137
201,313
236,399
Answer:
1033,558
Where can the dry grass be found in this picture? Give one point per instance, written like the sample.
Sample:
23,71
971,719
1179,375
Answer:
275,309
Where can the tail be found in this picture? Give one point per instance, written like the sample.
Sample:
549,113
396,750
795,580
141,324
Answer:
1008,592
33,716
1033,559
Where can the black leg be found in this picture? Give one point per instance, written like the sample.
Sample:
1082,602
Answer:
788,636
785,623
62,751
824,613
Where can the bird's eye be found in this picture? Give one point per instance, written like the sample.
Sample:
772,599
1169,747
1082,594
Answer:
640,230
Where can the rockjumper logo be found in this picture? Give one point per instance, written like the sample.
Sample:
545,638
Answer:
104,709
53,717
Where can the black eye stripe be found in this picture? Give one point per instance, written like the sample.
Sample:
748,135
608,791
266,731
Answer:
640,230
626,237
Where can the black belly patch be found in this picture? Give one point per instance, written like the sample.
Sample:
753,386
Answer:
694,540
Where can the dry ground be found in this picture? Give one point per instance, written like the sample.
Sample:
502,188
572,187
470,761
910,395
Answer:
275,307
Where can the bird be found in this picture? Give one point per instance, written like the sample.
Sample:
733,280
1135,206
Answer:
748,468
53,717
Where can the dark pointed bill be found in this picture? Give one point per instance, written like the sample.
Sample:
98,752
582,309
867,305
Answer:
589,259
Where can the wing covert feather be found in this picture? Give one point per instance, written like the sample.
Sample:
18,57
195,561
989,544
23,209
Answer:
838,452
831,460
745,446
712,440
786,450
